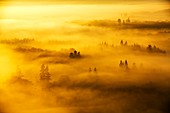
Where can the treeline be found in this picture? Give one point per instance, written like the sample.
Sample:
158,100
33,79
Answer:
31,49
17,41
128,24
136,47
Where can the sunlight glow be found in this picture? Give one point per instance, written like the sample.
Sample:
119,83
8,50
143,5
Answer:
6,65
84,58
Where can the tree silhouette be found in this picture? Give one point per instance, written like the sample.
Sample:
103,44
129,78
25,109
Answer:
75,53
95,69
121,42
126,64
19,79
125,43
71,55
128,20
78,54
119,21
149,48
90,69
44,73
121,64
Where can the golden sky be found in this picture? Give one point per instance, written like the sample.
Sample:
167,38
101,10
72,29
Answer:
29,12
85,1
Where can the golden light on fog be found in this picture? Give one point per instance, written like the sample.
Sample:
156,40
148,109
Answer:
84,58
6,66
76,11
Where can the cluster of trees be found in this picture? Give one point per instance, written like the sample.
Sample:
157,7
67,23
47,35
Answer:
75,54
122,43
123,21
155,49
105,43
90,69
149,48
123,65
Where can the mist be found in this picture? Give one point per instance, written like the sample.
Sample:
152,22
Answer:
85,58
